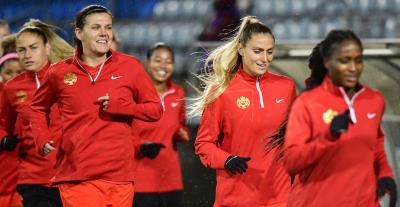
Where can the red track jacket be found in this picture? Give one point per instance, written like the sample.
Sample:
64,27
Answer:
8,171
238,123
8,167
95,144
17,96
164,172
342,172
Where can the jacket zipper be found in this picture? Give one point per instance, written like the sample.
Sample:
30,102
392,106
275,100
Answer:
259,92
37,80
162,97
350,103
93,80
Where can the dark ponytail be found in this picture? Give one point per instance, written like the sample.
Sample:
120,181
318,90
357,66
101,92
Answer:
317,67
276,141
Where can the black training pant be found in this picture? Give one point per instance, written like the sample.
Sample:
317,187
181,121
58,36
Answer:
39,196
164,199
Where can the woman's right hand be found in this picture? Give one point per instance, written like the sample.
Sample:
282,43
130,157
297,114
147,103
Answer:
340,124
236,164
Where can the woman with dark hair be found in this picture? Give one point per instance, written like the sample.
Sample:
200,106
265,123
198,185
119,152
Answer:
33,45
158,176
333,143
241,105
99,92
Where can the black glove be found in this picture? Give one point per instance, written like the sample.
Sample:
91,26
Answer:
8,143
387,184
236,164
151,150
340,123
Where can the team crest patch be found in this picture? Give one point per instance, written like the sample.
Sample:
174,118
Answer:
329,115
243,102
70,78
21,96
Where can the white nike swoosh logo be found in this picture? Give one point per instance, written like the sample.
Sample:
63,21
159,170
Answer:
279,100
174,105
116,77
371,115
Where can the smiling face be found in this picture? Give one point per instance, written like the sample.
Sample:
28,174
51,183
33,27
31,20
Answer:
160,65
96,35
346,65
257,54
32,51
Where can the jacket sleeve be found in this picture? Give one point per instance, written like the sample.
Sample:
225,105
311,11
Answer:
208,140
293,95
301,150
182,121
145,103
381,165
41,105
8,116
136,143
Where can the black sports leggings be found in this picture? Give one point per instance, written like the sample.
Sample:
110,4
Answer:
164,199
39,196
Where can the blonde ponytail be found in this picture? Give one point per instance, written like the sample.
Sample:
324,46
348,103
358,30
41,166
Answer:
60,49
222,65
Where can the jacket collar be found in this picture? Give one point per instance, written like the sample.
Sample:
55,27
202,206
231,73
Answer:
40,73
88,69
328,85
241,73
78,54
170,89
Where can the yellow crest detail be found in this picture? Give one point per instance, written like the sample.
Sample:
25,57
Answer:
70,78
329,115
21,96
243,102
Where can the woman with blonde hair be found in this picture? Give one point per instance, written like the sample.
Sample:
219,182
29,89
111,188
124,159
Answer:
60,49
37,46
243,104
